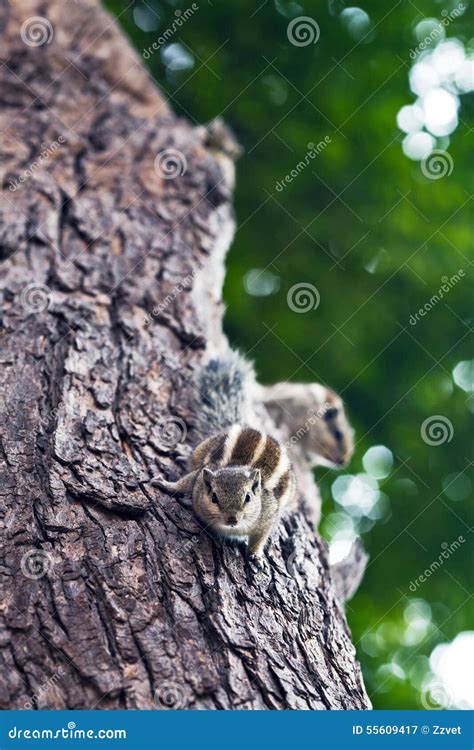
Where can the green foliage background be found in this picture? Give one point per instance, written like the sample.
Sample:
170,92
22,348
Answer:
375,237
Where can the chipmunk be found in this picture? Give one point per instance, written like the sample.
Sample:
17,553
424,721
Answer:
240,478
313,421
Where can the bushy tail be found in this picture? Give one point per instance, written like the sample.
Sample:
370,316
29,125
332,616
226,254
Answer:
225,392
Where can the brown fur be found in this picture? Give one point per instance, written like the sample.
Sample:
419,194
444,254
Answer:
238,499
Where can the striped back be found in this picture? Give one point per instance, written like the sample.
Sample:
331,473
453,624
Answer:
245,446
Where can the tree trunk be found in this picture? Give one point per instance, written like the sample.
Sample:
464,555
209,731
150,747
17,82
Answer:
111,596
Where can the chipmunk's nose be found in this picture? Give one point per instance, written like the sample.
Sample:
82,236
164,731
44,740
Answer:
232,521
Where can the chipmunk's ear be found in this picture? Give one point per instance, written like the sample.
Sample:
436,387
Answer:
256,478
207,476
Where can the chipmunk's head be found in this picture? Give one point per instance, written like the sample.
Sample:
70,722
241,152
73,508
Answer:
330,438
316,421
233,499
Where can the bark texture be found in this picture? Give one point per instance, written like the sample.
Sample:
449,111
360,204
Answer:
111,595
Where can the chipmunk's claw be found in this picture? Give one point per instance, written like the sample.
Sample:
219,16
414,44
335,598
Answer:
164,484
157,481
254,561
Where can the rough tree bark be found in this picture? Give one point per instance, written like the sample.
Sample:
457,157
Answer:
111,596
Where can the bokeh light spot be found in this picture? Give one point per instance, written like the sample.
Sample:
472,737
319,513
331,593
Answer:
378,461
463,375
453,665
457,486
259,282
418,146
356,21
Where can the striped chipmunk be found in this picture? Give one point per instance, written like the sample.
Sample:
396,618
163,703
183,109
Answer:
240,477
312,420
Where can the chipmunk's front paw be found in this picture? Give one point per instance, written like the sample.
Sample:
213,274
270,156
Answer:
160,482
171,488
255,558
256,546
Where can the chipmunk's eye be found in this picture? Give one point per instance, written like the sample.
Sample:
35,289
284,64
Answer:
330,413
248,497
214,498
